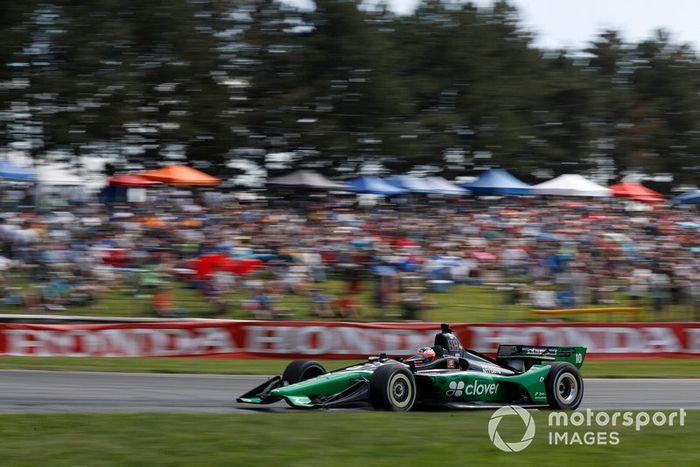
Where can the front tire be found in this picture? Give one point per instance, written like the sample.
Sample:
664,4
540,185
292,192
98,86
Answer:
301,370
564,386
392,387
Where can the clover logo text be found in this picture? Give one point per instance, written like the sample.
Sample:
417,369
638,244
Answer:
527,436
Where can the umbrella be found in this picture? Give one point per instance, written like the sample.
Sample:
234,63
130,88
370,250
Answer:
208,264
483,256
244,266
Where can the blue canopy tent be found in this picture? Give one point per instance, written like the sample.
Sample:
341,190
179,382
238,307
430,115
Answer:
375,186
692,197
13,172
412,184
497,182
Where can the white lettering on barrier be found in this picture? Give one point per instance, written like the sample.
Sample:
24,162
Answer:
661,340
402,341
267,339
693,339
348,338
119,342
115,341
215,339
573,336
317,339
606,340
620,340
343,340
20,342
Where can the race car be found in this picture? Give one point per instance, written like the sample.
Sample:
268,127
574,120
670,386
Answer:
444,375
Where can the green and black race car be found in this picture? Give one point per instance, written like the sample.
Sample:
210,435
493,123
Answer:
529,376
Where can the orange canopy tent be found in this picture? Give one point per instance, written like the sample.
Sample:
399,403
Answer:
637,192
181,175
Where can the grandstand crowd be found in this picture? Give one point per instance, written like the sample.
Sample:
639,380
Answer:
546,252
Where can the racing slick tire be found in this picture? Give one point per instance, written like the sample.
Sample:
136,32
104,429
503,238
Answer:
301,370
564,386
392,387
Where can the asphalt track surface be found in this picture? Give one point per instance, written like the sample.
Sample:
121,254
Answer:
26,391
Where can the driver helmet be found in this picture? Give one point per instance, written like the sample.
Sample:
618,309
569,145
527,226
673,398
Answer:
423,356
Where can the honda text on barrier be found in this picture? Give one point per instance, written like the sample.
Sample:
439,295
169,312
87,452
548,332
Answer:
444,375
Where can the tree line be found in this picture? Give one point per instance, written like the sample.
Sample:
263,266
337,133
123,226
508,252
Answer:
449,89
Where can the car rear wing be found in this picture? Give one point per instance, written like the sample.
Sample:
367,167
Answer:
541,354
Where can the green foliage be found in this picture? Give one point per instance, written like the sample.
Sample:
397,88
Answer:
450,86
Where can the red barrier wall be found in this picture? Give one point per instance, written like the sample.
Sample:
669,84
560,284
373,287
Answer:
294,339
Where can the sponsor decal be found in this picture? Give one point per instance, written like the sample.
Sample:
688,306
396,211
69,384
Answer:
491,369
475,388
453,344
456,389
478,389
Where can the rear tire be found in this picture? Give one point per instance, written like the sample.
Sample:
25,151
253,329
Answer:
564,386
301,370
392,387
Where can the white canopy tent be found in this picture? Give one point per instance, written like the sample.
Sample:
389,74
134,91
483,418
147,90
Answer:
412,184
56,184
446,187
54,175
306,179
571,185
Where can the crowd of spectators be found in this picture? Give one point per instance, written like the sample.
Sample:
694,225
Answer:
549,253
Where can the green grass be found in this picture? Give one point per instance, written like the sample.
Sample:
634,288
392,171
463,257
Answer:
320,439
649,368
465,303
